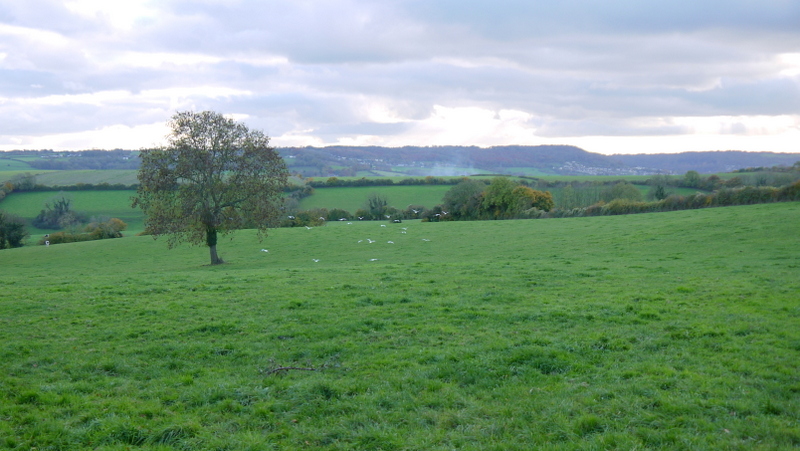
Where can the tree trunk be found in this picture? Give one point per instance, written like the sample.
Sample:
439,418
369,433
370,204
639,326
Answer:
211,241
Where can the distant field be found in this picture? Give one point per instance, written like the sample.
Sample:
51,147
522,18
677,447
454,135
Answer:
353,198
9,175
115,204
595,178
656,331
111,176
13,165
63,178
529,172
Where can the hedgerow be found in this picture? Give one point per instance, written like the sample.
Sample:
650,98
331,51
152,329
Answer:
746,195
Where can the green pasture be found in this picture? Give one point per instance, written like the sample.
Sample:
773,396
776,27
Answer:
527,171
353,198
13,164
672,330
67,178
10,175
597,178
115,204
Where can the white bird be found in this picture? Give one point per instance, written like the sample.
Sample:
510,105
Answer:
390,242
403,231
404,228
383,225
360,241
415,211
425,239
371,241
307,227
349,223
373,259
387,216
264,250
315,260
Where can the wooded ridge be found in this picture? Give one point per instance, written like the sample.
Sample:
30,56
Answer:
440,160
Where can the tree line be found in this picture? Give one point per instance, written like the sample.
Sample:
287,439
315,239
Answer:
469,199
335,182
504,198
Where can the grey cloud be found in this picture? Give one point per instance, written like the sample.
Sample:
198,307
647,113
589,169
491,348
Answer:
513,19
579,68
770,97
334,132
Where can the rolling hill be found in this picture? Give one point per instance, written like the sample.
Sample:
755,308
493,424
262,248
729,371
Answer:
373,161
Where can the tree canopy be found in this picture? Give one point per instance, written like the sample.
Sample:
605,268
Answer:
12,230
503,198
215,175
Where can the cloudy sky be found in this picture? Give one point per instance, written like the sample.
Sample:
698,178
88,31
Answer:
610,76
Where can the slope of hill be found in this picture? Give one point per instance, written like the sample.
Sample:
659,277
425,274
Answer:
519,160
454,160
709,162
437,161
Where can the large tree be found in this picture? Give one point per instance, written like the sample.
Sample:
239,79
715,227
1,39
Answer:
215,175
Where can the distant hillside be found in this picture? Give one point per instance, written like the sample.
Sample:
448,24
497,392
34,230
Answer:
709,162
517,160
452,160
438,160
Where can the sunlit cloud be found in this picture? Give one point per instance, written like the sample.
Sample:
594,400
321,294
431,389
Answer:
124,15
136,137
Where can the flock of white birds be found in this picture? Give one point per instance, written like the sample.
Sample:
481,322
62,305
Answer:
369,241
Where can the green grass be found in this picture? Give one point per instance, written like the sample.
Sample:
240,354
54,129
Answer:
657,331
10,175
115,204
528,172
353,198
66,178
13,164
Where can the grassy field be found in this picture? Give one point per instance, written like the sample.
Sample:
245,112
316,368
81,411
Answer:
11,174
353,198
9,164
111,176
64,178
115,204
656,331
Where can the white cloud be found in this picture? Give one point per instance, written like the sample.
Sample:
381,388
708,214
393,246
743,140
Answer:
121,15
791,65
111,137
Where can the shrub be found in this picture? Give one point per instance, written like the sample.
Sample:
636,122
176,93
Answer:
789,192
110,228
338,214
96,230
58,215
12,231
625,206
65,237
